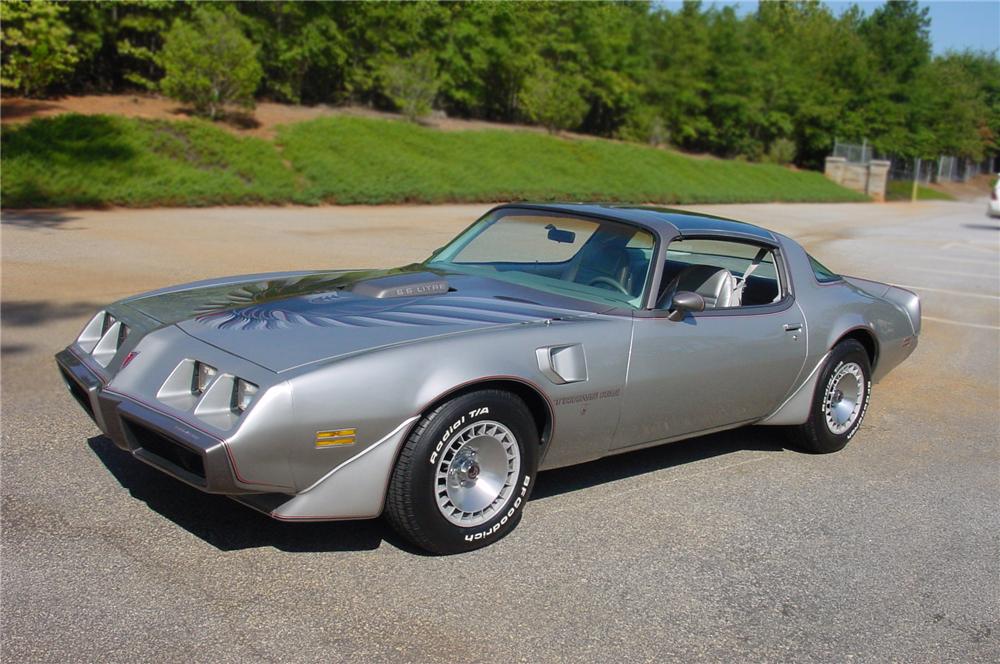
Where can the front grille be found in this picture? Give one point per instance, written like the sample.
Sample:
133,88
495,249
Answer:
78,392
164,449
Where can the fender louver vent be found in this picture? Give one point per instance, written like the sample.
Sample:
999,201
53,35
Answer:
102,337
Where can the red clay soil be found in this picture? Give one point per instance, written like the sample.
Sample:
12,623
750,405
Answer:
259,122
976,187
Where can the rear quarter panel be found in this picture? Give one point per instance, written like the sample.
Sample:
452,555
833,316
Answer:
835,309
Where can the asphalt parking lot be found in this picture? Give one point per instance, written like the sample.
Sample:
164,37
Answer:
723,548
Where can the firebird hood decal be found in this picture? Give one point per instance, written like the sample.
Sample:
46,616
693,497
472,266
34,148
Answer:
284,323
336,310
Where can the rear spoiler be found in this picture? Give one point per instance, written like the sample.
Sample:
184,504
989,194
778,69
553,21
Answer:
906,300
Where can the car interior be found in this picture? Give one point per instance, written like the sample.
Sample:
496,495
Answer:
726,274
607,261
616,257
605,255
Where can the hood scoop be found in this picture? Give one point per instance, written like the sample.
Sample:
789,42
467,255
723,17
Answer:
409,284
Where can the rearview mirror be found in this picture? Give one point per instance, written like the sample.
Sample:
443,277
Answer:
683,302
558,235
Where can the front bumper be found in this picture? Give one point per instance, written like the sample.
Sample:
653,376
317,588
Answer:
173,446
353,489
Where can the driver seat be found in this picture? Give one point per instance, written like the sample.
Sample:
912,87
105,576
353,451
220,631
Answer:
602,257
715,284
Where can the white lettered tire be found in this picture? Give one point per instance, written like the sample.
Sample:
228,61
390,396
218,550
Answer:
465,473
840,402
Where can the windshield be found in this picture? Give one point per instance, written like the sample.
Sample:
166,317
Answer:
601,261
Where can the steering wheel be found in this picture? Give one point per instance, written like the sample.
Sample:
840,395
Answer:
608,281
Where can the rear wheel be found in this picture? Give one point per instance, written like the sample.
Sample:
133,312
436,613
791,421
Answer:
840,402
465,473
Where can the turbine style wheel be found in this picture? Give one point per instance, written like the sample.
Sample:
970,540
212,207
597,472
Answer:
465,473
840,402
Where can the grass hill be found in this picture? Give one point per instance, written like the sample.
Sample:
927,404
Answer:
103,160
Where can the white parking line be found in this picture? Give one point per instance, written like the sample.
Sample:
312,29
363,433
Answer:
970,245
949,292
932,259
949,272
978,326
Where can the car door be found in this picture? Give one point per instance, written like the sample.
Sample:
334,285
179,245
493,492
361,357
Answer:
719,367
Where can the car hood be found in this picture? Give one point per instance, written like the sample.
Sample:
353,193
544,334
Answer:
281,322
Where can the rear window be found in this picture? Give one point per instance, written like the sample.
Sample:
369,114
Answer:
824,275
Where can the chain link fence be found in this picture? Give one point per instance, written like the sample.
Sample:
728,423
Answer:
853,152
943,169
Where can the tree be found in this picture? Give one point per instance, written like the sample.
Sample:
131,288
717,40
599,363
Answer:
411,83
120,42
949,111
36,46
897,35
209,63
552,100
303,50
678,73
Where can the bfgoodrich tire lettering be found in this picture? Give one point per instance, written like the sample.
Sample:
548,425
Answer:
840,402
465,473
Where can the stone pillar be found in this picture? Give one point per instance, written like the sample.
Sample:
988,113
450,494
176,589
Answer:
878,177
834,169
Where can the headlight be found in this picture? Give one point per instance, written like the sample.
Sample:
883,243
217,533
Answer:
203,377
243,395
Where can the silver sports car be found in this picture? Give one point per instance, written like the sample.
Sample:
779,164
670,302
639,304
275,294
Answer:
542,336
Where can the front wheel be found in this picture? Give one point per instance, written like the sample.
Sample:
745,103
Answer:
465,473
840,402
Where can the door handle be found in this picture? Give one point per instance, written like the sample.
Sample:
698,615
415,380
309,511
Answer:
793,327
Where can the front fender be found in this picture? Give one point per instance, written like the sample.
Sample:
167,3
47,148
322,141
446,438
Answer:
373,392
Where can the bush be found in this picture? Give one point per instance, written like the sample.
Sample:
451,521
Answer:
645,125
782,151
411,83
553,101
209,63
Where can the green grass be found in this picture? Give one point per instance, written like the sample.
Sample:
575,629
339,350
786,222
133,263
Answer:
95,161
899,190
353,160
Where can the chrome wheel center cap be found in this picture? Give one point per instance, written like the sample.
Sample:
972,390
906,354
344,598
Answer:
475,474
464,469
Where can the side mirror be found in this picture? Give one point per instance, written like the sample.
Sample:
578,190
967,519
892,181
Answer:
683,302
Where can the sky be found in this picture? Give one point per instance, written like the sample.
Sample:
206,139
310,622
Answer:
956,25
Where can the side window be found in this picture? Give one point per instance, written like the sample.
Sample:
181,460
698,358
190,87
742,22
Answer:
824,275
727,274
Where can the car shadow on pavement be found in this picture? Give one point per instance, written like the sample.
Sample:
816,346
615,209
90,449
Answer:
654,459
229,526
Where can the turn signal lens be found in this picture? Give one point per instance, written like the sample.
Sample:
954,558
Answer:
128,359
243,395
203,377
